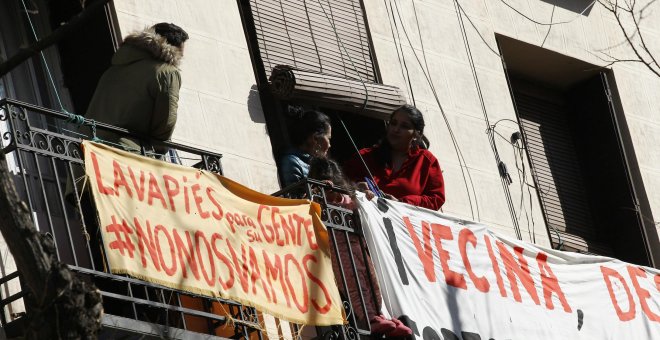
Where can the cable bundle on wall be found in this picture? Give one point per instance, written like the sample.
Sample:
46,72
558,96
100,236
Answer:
504,175
465,170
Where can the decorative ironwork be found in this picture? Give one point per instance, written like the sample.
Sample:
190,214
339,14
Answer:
339,217
245,320
17,112
212,163
48,143
47,153
345,332
350,333
9,137
347,308
32,141
250,315
336,218
23,137
63,143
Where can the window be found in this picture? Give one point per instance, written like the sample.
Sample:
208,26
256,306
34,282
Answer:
39,179
317,54
579,155
85,53
317,35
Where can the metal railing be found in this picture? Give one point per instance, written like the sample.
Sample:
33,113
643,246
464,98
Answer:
351,261
42,148
43,152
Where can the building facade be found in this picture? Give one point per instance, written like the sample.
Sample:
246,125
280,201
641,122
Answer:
543,119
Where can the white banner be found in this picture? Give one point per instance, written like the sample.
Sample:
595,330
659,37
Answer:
457,280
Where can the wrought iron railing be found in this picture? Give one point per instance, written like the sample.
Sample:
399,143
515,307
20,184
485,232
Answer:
348,248
42,148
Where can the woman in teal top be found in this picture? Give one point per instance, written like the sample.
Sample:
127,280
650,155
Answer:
310,136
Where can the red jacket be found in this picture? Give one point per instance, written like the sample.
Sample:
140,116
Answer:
418,182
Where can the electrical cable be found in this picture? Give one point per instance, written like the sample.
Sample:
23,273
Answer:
504,176
343,62
350,137
461,159
286,30
364,106
522,176
494,126
72,118
523,140
476,30
311,32
43,58
403,55
552,15
341,43
362,42
397,46
366,99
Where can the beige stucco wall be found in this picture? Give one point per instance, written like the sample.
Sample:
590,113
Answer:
219,109
452,76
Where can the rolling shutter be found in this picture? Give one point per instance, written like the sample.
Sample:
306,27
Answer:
303,34
368,99
559,178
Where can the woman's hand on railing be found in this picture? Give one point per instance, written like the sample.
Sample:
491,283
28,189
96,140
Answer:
364,187
390,197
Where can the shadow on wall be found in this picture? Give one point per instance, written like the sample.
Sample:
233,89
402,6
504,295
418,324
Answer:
577,6
254,106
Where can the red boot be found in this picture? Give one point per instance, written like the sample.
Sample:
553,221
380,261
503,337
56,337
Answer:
380,325
400,330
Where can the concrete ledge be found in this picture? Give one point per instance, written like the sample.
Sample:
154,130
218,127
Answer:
115,327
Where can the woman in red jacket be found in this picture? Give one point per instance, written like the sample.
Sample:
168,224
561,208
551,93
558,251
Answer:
401,166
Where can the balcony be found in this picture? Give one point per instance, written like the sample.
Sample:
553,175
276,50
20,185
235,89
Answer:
42,148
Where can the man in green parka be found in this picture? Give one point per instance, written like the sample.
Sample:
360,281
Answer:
140,91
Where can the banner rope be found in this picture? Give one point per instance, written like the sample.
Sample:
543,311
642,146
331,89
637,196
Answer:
83,227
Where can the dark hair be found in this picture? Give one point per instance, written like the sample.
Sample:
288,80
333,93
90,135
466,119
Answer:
415,115
322,169
311,123
417,119
174,34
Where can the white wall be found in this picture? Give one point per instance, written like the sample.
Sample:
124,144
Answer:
583,37
219,110
452,78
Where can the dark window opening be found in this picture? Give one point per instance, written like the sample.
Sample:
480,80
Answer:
299,34
582,7
361,130
364,131
27,81
580,154
84,54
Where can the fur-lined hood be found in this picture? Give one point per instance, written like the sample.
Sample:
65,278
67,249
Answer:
150,42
